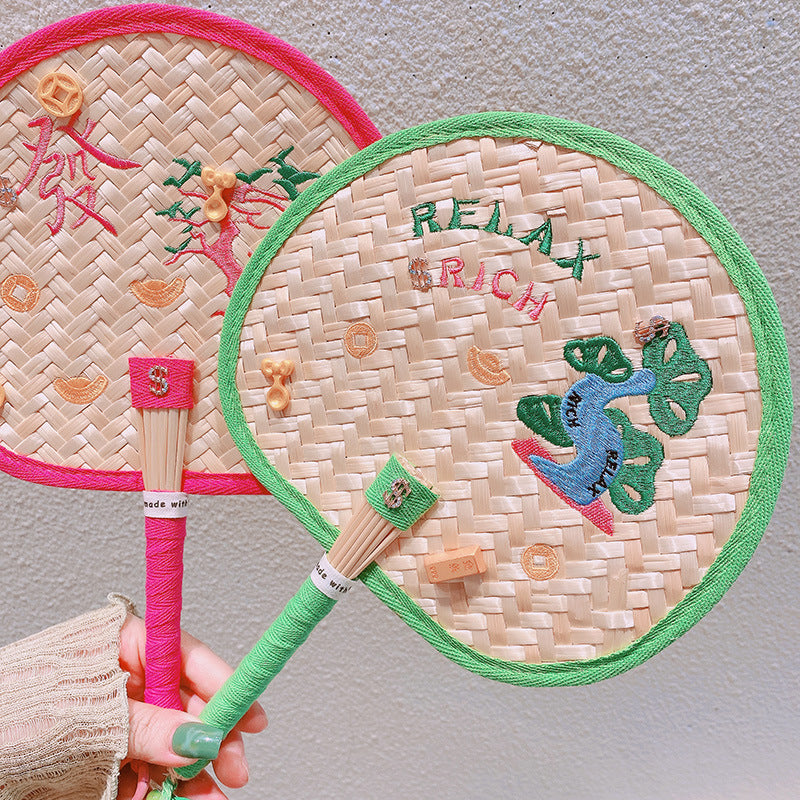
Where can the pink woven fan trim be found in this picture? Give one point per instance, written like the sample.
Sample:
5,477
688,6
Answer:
33,471
153,18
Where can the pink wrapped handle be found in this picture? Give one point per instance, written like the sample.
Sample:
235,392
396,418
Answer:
164,555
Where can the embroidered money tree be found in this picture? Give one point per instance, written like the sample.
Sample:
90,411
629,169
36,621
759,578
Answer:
611,454
246,204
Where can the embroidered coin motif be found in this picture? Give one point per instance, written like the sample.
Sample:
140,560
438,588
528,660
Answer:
59,94
11,288
540,562
8,197
360,340
485,367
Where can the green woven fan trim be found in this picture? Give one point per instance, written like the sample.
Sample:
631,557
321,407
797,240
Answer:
771,359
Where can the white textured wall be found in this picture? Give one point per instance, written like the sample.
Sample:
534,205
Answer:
367,709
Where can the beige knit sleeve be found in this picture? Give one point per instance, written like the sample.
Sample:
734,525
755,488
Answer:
64,710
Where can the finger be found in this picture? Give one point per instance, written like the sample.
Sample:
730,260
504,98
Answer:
202,787
254,721
204,672
151,732
230,766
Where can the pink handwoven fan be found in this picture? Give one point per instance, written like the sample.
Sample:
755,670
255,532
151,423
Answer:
144,151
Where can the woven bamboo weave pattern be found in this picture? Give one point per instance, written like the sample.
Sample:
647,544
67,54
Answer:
349,262
154,98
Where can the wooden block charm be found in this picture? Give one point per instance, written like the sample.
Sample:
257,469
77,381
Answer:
454,564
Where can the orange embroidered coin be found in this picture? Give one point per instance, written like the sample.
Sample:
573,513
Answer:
59,94
156,293
360,340
540,562
19,292
80,390
486,367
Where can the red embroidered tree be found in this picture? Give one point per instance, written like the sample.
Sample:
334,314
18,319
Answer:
246,204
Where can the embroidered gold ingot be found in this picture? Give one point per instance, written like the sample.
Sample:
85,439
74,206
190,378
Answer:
485,367
156,293
19,292
216,208
59,94
360,340
278,395
8,197
80,390
394,496
540,562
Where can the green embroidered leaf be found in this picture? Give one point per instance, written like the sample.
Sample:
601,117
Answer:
542,414
683,379
600,355
639,477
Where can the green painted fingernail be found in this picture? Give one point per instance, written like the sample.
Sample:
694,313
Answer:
196,740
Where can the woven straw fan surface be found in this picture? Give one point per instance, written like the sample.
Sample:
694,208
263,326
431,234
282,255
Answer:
520,306
105,248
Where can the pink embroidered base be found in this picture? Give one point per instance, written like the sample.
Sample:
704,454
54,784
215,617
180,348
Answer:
156,18
595,512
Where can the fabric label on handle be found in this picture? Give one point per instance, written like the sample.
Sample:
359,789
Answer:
329,580
165,505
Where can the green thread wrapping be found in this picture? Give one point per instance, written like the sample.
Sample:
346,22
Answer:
412,507
639,477
584,356
289,630
771,358
542,414
670,387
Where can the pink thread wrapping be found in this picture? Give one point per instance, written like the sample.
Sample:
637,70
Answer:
161,382
595,512
164,555
154,18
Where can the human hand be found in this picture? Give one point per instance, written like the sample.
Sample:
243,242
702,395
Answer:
152,728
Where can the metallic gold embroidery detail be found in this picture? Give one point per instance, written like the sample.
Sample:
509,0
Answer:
659,326
216,208
540,562
8,292
486,367
360,340
80,390
157,294
8,196
394,496
278,395
420,277
59,94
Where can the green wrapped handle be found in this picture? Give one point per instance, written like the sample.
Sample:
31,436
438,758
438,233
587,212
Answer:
291,628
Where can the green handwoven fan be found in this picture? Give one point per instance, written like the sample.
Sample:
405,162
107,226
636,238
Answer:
572,346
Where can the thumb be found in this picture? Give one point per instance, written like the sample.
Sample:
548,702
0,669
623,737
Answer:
168,737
